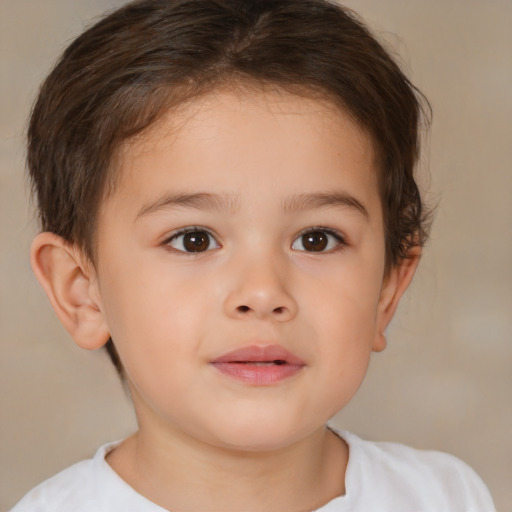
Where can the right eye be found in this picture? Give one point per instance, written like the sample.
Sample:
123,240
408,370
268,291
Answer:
193,241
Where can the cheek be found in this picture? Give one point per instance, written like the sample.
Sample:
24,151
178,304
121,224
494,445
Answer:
162,319
154,312
345,331
342,299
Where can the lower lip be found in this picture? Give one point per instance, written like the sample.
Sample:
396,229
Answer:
258,375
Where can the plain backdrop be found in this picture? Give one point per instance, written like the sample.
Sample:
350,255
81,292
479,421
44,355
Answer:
445,381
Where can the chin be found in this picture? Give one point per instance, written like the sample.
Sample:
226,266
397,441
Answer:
260,436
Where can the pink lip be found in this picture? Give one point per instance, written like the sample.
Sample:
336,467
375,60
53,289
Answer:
259,365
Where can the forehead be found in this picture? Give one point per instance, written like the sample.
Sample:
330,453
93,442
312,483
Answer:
212,143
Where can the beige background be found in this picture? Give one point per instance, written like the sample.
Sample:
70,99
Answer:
445,381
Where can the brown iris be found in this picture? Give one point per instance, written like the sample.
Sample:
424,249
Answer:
196,241
315,241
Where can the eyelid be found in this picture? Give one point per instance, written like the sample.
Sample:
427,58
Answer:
184,231
338,235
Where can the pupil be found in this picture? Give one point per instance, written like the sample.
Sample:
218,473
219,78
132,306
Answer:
314,241
196,242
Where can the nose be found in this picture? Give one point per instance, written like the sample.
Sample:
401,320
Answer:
258,290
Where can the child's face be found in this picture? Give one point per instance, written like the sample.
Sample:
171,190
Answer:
278,196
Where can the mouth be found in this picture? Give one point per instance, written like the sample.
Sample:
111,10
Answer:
259,365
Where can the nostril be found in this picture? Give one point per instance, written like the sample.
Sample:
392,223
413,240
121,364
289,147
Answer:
243,309
278,310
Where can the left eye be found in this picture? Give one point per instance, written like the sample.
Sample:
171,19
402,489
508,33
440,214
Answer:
193,241
317,240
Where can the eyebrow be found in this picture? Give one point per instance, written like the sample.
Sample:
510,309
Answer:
198,201
221,202
312,201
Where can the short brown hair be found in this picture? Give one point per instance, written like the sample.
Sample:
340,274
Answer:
127,70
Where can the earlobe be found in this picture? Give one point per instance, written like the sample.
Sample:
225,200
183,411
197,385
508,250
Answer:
394,286
71,286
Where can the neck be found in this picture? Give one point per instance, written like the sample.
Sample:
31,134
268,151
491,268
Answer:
179,472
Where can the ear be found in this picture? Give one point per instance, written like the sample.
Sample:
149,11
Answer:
394,285
70,282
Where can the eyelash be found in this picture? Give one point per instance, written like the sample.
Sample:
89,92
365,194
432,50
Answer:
185,231
341,242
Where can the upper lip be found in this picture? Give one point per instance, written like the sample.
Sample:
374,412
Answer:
260,354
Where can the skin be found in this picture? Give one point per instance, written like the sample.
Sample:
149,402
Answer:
171,312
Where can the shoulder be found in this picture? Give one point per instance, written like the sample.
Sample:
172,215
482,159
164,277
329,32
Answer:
73,489
414,479
90,485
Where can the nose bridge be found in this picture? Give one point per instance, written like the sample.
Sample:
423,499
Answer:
260,286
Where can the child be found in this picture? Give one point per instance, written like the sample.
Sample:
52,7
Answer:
228,205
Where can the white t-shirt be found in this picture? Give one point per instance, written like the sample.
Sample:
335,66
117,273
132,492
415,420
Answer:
380,477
